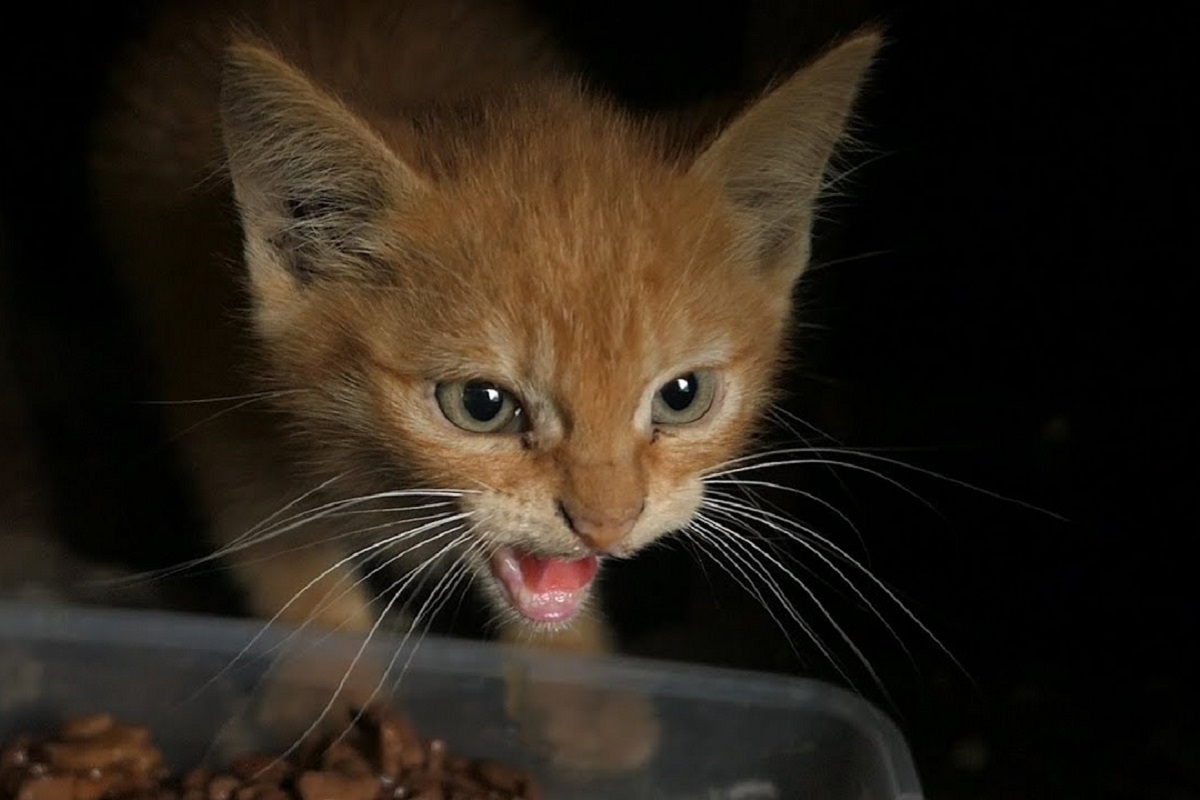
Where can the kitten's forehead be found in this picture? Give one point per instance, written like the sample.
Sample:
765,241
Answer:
568,257
581,276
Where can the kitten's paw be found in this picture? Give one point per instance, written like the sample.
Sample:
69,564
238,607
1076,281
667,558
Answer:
582,729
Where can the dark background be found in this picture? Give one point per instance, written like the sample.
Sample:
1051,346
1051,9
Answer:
1004,294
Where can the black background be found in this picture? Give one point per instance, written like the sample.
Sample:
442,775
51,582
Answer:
1005,295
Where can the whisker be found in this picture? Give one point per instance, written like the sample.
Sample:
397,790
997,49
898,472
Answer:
266,521
350,534
784,418
868,456
218,414
833,262
781,416
226,399
331,508
740,514
746,554
791,462
802,534
428,611
284,526
336,566
366,642
390,560
690,547
702,528
742,483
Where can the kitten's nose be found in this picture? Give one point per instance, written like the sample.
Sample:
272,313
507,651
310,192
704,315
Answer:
601,529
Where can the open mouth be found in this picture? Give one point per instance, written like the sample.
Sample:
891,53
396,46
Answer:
544,589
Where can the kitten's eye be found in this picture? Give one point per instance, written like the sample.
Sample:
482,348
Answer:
480,407
684,399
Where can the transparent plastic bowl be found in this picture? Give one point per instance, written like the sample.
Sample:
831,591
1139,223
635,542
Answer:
726,734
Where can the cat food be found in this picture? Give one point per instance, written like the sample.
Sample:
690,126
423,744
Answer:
96,757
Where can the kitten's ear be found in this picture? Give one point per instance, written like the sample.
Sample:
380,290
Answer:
771,160
311,180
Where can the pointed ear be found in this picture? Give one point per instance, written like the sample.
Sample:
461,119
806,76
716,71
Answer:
771,160
311,179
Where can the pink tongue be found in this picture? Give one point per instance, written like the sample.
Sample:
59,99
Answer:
555,574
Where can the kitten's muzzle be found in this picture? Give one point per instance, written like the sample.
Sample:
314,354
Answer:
600,529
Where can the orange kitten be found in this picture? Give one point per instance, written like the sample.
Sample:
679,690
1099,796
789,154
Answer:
474,291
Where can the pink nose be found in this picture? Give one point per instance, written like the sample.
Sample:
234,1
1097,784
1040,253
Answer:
601,529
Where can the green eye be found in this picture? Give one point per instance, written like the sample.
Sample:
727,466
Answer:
684,399
480,407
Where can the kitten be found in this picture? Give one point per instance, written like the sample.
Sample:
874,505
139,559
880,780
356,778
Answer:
473,289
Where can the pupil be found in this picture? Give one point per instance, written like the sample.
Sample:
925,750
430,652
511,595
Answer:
679,392
482,401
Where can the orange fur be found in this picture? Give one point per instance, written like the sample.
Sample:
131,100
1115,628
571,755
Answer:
421,195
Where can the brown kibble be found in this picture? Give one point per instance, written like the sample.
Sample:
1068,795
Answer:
16,753
86,726
56,787
343,758
335,786
260,791
195,779
501,776
222,787
98,785
464,784
117,745
261,769
96,757
427,789
397,744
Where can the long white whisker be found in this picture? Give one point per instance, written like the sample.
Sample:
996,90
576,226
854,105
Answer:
785,418
692,549
827,462
741,483
341,536
844,453
391,559
285,526
266,521
732,537
833,262
781,415
367,640
801,534
226,399
701,528
336,566
333,507
218,414
429,609
741,514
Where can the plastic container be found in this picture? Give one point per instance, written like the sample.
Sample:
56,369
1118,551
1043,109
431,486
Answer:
726,734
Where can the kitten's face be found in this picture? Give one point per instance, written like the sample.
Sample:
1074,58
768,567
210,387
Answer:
574,365
548,318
